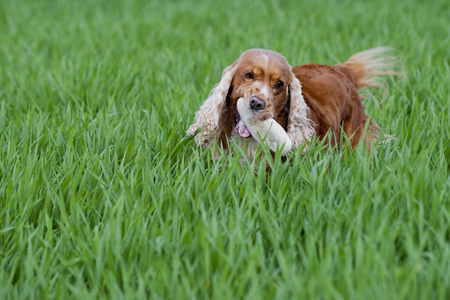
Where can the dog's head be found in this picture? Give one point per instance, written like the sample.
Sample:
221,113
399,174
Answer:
265,80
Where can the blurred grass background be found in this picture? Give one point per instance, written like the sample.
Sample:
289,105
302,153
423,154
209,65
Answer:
102,196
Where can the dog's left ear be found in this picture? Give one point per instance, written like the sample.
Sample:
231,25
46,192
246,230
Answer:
300,128
209,114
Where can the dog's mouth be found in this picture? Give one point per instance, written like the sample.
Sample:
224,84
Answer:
240,127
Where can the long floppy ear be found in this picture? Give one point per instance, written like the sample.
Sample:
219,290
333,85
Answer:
300,128
210,112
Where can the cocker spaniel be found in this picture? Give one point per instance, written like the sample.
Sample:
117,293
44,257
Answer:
305,100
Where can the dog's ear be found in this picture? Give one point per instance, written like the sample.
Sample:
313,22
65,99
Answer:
209,114
300,128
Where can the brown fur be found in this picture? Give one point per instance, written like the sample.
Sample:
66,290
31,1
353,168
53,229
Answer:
332,96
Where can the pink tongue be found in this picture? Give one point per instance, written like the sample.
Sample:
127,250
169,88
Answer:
242,129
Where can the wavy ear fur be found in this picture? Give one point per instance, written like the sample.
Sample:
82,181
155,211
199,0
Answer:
300,128
208,116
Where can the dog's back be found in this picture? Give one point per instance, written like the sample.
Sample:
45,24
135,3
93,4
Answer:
331,93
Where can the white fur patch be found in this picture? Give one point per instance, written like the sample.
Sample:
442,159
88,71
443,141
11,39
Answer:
265,91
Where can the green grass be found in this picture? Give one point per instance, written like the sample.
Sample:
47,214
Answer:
103,196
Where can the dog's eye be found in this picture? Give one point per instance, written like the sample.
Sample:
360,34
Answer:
279,84
249,75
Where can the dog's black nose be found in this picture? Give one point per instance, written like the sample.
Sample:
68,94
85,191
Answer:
256,103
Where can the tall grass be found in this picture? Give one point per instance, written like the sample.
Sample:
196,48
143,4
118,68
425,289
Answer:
103,196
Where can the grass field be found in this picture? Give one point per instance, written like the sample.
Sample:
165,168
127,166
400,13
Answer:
103,196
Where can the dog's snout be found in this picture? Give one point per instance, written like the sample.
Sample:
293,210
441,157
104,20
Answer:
256,103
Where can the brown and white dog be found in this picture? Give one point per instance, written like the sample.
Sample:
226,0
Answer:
305,100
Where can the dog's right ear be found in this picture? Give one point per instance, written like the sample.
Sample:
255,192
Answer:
208,116
300,129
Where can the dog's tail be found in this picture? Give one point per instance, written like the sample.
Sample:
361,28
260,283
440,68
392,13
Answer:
365,70
366,67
